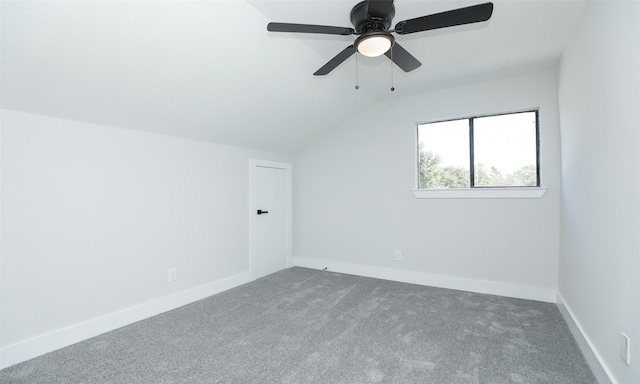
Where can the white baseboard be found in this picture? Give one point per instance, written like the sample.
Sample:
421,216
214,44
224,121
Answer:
441,281
39,345
597,365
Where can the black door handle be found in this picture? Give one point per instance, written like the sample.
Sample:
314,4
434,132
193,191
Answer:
260,211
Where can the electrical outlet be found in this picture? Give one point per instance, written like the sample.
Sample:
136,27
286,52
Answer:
398,255
172,275
625,348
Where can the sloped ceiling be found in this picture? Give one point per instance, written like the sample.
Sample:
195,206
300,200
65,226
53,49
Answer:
209,70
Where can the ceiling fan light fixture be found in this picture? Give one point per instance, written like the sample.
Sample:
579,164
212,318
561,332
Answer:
374,44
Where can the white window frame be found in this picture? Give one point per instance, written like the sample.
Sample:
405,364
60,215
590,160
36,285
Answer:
481,193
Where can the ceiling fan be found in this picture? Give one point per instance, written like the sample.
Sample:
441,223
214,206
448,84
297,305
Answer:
372,20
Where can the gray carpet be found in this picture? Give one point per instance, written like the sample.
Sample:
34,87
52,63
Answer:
306,326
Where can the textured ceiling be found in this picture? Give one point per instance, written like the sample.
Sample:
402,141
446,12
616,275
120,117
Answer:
209,70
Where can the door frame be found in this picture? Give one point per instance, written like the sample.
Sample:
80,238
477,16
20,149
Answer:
253,164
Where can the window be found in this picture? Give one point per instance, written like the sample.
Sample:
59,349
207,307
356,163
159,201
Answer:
480,152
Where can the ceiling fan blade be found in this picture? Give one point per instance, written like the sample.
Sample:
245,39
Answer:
337,60
402,58
380,8
468,15
308,28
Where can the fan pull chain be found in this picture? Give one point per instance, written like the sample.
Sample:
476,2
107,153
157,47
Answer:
357,81
392,88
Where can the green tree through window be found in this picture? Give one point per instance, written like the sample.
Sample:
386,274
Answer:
433,176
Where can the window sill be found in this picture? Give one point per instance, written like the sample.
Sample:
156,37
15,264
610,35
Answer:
480,193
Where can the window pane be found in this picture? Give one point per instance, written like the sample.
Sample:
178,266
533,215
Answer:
443,155
504,150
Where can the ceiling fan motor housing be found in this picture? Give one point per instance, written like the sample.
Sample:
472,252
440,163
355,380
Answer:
363,22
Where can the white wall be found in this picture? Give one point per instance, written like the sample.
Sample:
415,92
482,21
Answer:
353,205
599,96
94,216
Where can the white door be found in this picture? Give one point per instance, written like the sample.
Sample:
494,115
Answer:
270,217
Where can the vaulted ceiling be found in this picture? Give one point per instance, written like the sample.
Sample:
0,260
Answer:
209,70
